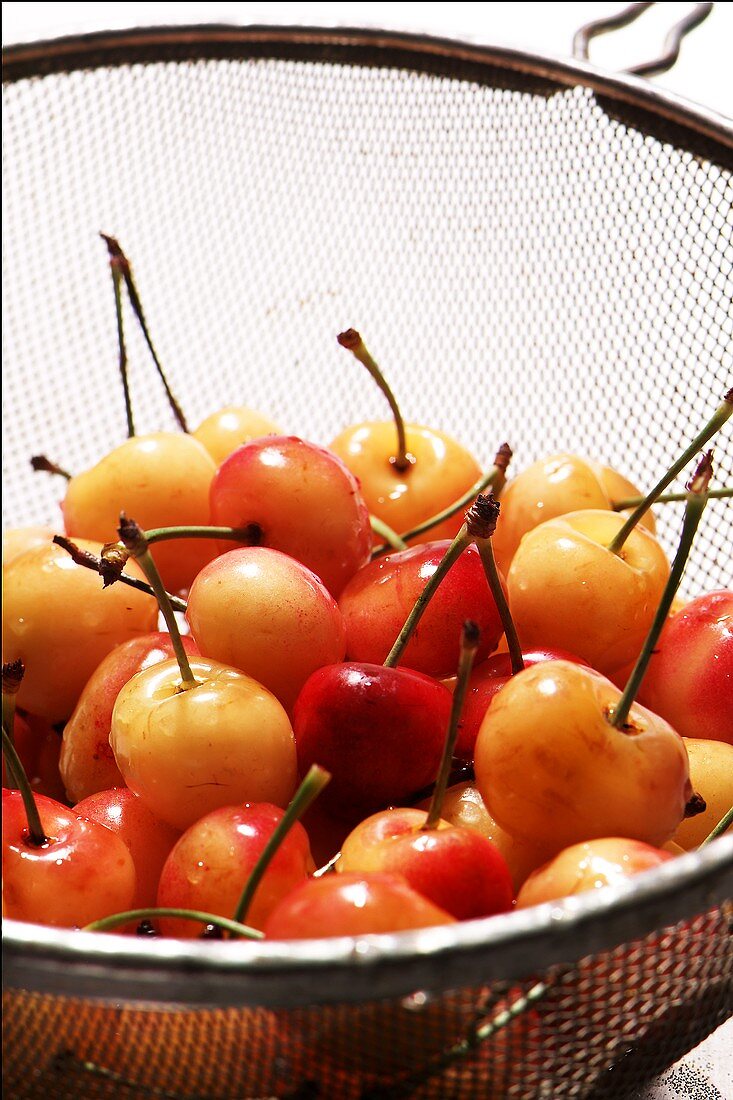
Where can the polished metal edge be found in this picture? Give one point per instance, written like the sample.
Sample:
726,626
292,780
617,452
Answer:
506,948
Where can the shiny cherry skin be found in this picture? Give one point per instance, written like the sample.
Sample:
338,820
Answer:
210,865
457,869
163,480
149,840
442,472
61,623
229,428
186,753
689,680
485,681
298,498
378,599
589,865
378,731
711,773
552,769
19,539
551,487
82,873
265,613
352,905
38,745
463,806
87,761
568,591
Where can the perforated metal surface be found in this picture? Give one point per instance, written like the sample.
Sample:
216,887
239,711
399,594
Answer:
530,260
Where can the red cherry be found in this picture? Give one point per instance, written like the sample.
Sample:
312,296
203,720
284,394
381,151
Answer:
351,905
589,866
378,599
299,498
378,731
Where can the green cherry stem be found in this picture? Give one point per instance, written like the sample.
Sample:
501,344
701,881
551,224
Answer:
495,477
482,527
470,636
722,827
392,539
117,281
236,534
133,538
119,260
236,928
670,498
41,464
307,792
90,561
352,341
716,422
13,672
36,835
696,501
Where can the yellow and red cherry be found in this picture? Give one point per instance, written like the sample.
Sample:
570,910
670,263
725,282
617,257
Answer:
80,871
268,615
378,731
38,745
227,429
485,682
407,472
60,622
19,539
293,496
209,866
552,487
568,590
352,905
590,865
163,480
689,679
554,771
87,762
711,773
378,599
458,869
149,840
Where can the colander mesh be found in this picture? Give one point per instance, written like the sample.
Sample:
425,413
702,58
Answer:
529,262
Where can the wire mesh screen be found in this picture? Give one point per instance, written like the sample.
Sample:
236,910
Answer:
529,262
524,265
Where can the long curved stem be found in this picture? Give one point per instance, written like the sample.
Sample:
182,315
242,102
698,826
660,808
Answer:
117,279
722,827
669,498
236,928
90,561
36,833
352,341
392,539
486,550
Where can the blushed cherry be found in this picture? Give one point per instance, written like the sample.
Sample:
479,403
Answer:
87,761
227,429
352,905
163,479
590,865
265,613
711,773
39,746
148,839
298,498
60,622
210,864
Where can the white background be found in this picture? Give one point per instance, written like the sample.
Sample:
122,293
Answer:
703,72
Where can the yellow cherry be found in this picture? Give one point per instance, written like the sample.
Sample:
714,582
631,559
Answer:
711,772
225,430
19,539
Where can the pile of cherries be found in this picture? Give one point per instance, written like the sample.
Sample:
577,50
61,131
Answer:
447,660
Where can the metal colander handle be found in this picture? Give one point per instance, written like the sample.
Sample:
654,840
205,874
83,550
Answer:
672,42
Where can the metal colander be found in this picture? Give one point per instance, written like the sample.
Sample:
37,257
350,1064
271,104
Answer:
535,251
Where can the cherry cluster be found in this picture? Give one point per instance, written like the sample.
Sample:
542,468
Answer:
450,661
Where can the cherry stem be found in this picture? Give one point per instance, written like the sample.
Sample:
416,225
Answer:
120,262
454,551
13,673
716,422
36,835
117,280
470,636
392,539
162,534
236,928
90,561
696,500
722,827
66,1059
307,792
670,498
352,341
41,464
486,550
133,538
495,477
